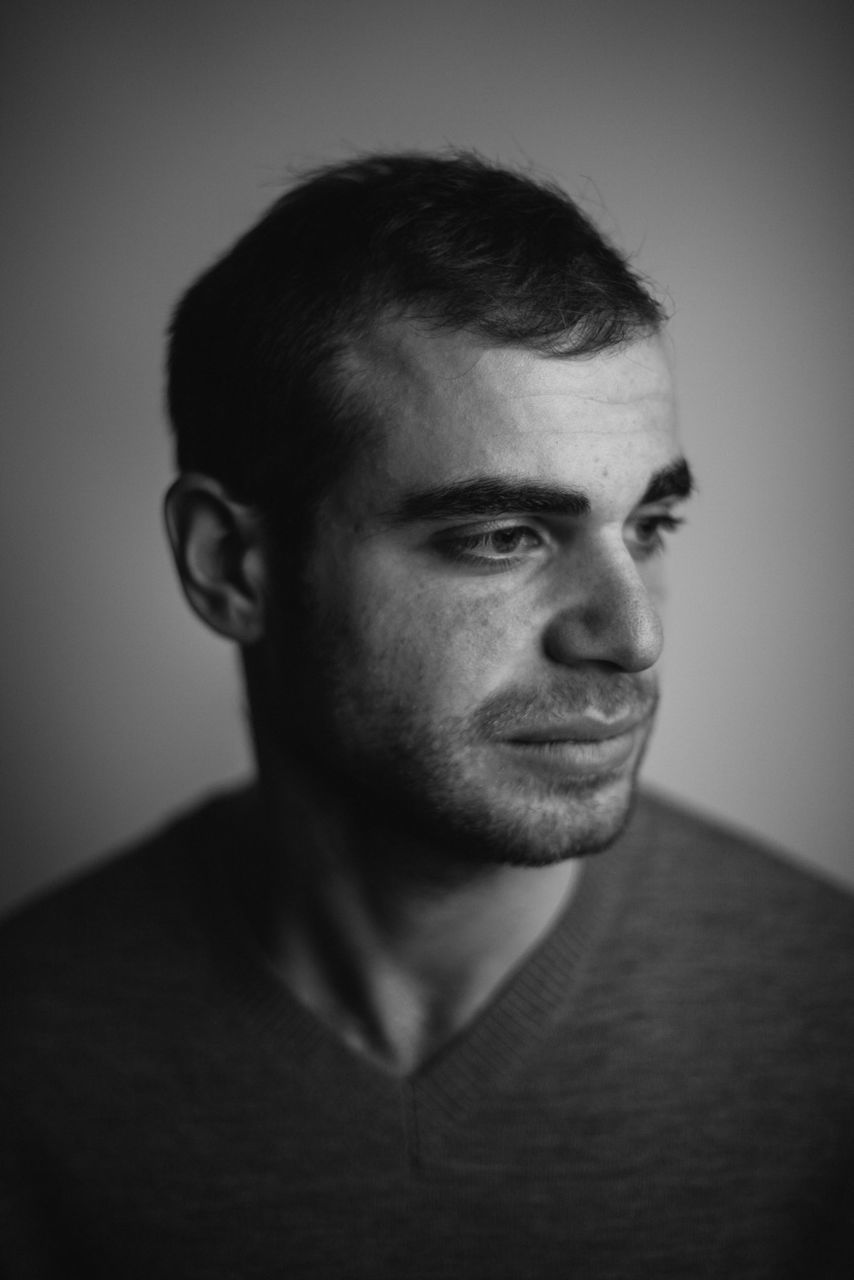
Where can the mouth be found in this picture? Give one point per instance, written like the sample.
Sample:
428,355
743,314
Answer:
579,729
582,748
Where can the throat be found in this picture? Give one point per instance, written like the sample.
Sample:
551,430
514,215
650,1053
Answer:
398,981
403,1028
395,961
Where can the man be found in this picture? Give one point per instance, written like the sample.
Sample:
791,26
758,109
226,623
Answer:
439,996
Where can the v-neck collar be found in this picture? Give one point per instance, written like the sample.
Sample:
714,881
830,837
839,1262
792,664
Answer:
483,1056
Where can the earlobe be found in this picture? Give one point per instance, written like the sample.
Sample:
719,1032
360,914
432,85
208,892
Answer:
218,552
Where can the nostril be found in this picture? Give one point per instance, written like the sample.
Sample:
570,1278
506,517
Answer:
617,623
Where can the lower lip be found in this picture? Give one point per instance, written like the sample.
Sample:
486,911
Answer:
574,759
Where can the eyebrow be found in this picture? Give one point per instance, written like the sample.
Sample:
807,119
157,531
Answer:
494,496
676,480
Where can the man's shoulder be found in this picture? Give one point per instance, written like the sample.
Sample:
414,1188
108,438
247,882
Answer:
754,907
136,905
714,852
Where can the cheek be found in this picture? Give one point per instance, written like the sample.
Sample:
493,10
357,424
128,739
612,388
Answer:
448,649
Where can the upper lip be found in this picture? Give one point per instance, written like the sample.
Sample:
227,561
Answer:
577,729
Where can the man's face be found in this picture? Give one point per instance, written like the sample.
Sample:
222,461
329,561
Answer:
478,666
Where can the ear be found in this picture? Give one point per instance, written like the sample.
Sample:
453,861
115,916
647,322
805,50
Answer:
217,547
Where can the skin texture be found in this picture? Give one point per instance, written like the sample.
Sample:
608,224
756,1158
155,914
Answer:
459,708
433,642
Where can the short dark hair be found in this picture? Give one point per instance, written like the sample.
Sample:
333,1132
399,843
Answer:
257,390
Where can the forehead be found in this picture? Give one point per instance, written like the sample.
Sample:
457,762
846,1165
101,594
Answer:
451,408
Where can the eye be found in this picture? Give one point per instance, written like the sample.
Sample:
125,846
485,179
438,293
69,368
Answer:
646,533
505,545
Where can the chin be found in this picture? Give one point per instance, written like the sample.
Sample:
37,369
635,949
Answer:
540,819
586,823
579,840
532,830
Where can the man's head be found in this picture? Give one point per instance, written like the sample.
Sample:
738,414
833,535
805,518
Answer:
427,388
262,391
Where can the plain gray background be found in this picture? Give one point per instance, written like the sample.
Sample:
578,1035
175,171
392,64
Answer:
713,141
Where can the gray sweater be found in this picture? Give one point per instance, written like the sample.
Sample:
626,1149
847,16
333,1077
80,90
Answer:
664,1088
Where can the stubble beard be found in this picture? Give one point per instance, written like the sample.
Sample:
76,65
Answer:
445,790
441,786
478,812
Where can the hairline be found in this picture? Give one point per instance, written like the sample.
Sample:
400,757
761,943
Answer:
358,389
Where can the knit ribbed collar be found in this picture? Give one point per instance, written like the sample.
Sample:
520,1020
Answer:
478,1060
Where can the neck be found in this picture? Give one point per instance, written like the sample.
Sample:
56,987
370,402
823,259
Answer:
389,944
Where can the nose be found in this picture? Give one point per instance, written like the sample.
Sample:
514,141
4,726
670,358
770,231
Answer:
606,613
